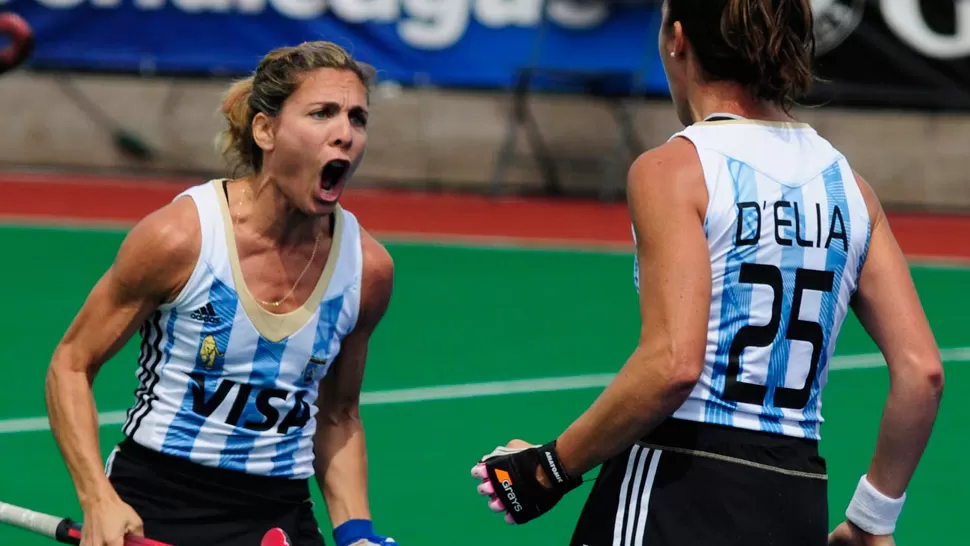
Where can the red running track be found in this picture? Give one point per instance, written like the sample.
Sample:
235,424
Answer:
97,200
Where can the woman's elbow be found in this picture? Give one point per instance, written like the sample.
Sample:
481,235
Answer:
672,366
684,383
934,377
58,374
686,372
57,368
924,375
67,362
341,412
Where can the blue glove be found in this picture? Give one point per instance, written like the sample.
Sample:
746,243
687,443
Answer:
359,532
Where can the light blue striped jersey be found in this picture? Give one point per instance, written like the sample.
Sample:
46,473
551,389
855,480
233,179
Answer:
227,384
788,231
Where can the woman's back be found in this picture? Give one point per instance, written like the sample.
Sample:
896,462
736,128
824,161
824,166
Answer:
788,229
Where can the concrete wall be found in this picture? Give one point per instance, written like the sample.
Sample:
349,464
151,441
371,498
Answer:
450,138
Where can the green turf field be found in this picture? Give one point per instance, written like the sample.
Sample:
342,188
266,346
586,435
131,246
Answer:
465,315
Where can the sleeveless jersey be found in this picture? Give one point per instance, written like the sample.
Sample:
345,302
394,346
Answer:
788,230
225,383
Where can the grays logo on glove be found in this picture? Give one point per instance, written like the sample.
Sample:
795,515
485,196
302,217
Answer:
509,480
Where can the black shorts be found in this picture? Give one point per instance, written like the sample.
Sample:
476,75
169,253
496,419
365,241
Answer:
187,504
691,484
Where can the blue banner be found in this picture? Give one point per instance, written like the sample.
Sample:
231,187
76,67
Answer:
449,43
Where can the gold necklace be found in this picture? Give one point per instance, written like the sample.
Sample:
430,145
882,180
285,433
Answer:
306,268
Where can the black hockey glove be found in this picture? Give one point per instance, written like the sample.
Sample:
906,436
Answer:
509,480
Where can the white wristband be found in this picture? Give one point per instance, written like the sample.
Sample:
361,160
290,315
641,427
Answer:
872,511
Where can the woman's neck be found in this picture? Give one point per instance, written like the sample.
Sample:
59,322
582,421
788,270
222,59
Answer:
729,98
267,211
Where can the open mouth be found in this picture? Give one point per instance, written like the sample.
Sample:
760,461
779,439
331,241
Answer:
332,178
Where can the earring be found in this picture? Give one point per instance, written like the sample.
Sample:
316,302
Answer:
672,54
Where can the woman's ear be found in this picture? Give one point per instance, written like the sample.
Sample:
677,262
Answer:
264,131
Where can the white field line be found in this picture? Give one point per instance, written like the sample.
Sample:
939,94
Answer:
494,388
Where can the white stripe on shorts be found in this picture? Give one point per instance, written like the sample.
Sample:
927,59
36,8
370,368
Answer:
645,496
636,511
631,463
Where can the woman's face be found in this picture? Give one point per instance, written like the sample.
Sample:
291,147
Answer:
314,145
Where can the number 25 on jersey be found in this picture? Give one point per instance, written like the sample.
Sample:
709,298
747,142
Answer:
764,336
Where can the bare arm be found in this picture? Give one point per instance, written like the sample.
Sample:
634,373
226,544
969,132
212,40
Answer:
889,309
341,451
152,264
667,200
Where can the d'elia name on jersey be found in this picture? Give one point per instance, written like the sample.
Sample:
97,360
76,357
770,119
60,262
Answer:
792,225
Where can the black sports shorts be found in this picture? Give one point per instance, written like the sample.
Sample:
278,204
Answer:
692,484
187,504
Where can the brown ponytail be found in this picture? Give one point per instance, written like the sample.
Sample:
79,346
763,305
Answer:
235,140
765,45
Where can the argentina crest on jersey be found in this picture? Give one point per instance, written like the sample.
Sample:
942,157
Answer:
209,352
314,371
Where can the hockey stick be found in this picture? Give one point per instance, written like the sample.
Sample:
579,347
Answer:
63,530
67,531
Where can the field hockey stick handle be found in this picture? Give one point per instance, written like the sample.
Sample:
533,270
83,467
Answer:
69,532
63,530
35,522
